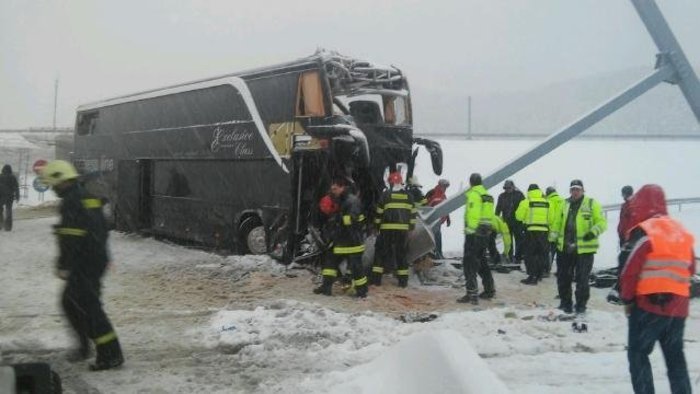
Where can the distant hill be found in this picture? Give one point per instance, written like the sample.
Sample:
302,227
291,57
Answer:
661,111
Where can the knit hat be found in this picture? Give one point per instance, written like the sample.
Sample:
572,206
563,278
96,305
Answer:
533,186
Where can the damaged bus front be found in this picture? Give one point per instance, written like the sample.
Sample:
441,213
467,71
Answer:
240,161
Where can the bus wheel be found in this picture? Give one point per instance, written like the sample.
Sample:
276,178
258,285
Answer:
252,234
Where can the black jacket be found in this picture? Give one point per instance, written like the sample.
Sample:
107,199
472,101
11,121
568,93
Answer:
82,233
9,187
507,204
396,210
417,195
349,222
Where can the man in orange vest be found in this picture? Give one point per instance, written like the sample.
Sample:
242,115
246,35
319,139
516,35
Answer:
655,287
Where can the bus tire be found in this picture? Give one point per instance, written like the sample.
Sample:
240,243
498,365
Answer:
252,236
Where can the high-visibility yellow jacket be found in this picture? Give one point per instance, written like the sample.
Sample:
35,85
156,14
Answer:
500,227
556,204
589,218
534,212
478,211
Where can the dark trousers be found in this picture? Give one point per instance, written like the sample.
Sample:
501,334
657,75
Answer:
645,329
493,250
551,258
536,253
394,244
83,308
518,237
6,215
331,269
474,263
574,267
437,233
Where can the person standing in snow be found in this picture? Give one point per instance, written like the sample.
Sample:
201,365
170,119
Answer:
9,193
83,259
655,287
623,227
477,229
576,231
555,206
536,217
434,198
395,217
348,241
508,202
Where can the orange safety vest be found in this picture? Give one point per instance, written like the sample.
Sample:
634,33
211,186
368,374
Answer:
667,269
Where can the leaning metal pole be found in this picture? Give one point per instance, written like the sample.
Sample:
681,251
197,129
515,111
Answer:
672,66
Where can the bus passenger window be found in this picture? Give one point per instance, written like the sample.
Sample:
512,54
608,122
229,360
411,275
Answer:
87,123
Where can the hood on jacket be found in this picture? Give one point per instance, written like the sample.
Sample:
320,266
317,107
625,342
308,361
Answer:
6,169
534,193
648,202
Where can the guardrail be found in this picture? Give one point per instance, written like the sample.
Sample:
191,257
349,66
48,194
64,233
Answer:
669,202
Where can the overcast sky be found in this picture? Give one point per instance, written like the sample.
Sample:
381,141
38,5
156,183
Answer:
101,49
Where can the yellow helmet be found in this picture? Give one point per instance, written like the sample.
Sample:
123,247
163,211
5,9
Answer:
58,171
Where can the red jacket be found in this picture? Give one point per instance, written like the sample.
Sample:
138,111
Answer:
648,202
435,197
625,224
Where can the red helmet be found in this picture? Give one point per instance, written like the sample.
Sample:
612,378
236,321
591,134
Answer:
327,205
395,178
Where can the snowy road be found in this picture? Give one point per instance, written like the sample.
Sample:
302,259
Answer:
192,321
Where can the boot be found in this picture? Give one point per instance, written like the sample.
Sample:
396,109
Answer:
376,279
361,291
325,287
469,299
487,295
403,281
530,280
82,352
109,355
566,307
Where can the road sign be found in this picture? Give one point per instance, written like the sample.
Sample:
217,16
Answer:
39,165
39,186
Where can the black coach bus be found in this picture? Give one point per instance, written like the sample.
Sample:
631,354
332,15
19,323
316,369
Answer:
240,161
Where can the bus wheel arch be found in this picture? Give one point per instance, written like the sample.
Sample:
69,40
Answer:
251,234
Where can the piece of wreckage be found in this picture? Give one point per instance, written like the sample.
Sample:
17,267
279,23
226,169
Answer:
239,162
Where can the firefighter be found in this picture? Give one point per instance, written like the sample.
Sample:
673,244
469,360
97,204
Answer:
82,261
655,286
395,217
499,226
555,206
576,231
536,217
414,189
348,240
477,228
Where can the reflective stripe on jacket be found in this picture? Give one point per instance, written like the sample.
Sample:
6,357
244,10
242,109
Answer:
534,212
478,211
396,210
589,218
667,268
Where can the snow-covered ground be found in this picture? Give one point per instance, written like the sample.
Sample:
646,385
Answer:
192,321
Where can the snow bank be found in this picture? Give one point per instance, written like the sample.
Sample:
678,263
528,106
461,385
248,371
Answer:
429,362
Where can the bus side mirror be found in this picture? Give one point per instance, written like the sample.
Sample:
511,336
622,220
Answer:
435,151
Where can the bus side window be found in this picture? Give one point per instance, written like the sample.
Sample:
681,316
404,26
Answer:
310,95
87,123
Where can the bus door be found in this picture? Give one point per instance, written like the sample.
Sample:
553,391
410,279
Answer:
133,205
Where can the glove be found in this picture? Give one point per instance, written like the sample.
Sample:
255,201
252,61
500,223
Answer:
589,236
62,274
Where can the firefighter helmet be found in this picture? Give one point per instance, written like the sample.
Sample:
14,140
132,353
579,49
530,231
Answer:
57,172
395,178
327,205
